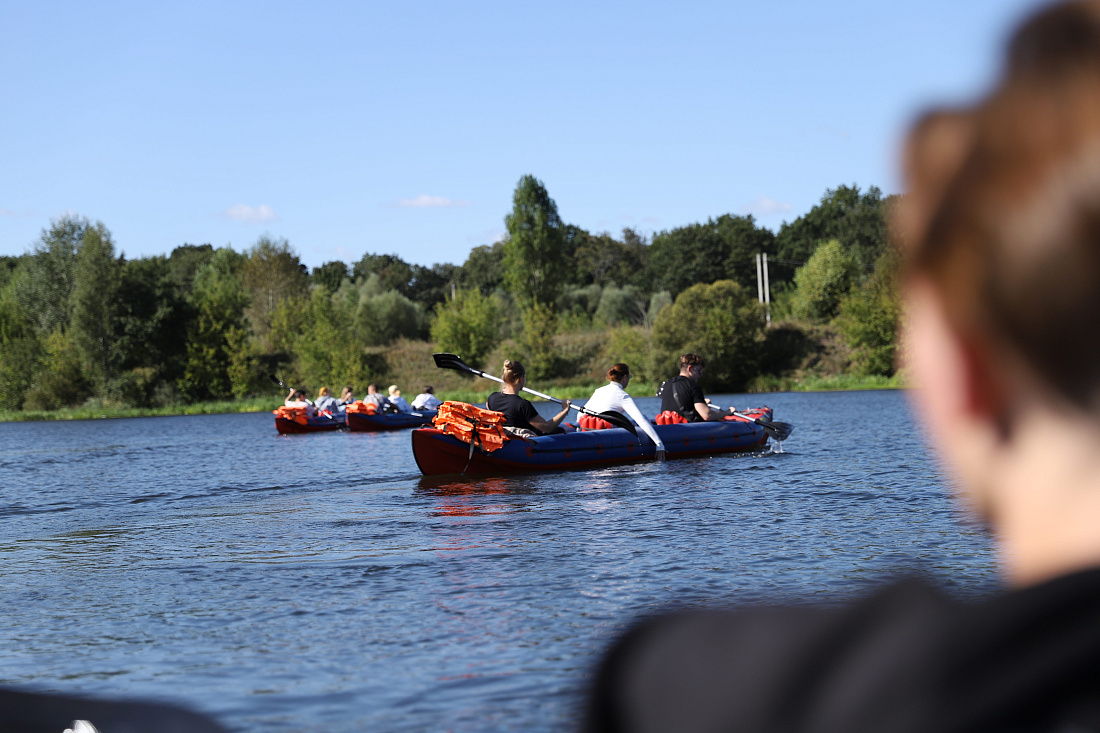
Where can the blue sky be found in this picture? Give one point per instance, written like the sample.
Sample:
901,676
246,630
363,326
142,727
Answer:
403,127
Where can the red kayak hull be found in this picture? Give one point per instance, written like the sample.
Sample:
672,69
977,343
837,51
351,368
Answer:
315,425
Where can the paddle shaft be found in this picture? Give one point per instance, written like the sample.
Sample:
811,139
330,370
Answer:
308,401
547,397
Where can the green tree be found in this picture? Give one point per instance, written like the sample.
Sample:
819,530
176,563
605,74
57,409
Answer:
60,380
330,275
384,317
621,305
44,292
483,269
540,324
633,345
217,303
8,266
869,316
392,271
721,249
535,266
94,305
722,322
602,259
185,261
328,352
20,350
857,220
272,273
822,282
150,315
467,325
433,285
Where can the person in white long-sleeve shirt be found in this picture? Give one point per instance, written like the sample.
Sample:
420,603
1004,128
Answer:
427,400
613,396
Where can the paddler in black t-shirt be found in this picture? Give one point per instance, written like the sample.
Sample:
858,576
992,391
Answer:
681,394
519,414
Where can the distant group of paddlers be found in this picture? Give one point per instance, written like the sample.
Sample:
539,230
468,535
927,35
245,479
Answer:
393,402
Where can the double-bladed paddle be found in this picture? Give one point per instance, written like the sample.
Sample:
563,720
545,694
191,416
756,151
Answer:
308,401
451,361
776,430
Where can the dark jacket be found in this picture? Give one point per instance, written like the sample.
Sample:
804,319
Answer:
904,660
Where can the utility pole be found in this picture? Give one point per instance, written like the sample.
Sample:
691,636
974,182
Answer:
767,291
759,280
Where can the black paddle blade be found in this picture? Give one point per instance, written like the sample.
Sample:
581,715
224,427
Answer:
618,419
777,430
452,361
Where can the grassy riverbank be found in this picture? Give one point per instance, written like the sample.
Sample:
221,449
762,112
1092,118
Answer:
98,411
573,392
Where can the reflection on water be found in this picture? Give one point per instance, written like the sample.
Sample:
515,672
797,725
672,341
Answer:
318,582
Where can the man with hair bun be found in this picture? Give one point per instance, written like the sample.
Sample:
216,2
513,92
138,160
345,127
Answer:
1001,227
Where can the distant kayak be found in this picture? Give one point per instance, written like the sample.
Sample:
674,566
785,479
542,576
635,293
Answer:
362,422
293,420
438,453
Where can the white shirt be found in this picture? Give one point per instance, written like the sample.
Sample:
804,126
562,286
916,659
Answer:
426,401
612,396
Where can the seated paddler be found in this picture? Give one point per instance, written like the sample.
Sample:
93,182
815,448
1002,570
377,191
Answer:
682,394
326,402
520,416
613,396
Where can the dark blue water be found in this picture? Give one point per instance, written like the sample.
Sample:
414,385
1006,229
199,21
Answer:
318,583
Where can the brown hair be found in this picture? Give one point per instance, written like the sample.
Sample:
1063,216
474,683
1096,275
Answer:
513,372
1003,211
618,372
692,360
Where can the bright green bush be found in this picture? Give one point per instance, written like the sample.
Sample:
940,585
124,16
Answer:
537,342
721,322
621,305
467,325
388,316
822,282
868,320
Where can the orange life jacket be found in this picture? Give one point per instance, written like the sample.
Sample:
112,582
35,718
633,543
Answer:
668,417
297,414
367,408
591,422
472,425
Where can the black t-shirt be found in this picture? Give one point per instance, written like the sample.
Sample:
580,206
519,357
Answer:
680,394
904,660
517,411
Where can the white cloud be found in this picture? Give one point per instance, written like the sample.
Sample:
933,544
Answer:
425,201
764,206
249,214
7,212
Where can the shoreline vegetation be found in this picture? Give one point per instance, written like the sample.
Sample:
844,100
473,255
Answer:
839,383
87,332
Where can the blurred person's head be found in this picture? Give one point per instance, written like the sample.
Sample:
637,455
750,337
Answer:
1000,226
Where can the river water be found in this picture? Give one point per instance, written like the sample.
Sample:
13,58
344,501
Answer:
317,582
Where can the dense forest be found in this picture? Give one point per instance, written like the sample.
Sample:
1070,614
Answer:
81,324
